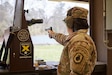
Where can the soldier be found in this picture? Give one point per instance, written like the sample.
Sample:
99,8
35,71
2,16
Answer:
79,54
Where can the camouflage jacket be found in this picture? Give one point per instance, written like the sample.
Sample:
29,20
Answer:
79,54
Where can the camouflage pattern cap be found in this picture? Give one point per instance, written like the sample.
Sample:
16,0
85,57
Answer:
75,12
78,12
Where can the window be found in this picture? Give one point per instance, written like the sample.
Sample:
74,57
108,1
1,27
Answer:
52,13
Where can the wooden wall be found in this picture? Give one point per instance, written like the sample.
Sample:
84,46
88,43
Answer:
97,22
109,55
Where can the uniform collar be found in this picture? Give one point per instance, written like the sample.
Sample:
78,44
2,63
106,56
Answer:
75,33
82,31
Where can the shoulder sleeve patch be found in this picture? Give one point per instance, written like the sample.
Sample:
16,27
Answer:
79,60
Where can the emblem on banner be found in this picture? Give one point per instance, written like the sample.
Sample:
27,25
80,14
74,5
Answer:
23,35
25,50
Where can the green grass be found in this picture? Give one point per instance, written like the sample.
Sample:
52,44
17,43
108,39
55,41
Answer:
48,52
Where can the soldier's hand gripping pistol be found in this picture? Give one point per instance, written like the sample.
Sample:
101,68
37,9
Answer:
50,28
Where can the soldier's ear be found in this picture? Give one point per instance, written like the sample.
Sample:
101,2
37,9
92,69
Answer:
70,31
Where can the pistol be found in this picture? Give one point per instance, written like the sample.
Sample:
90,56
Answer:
50,28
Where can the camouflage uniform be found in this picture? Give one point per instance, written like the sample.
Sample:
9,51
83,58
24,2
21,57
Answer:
79,52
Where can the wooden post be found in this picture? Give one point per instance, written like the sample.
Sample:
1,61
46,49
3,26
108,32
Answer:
21,46
18,42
